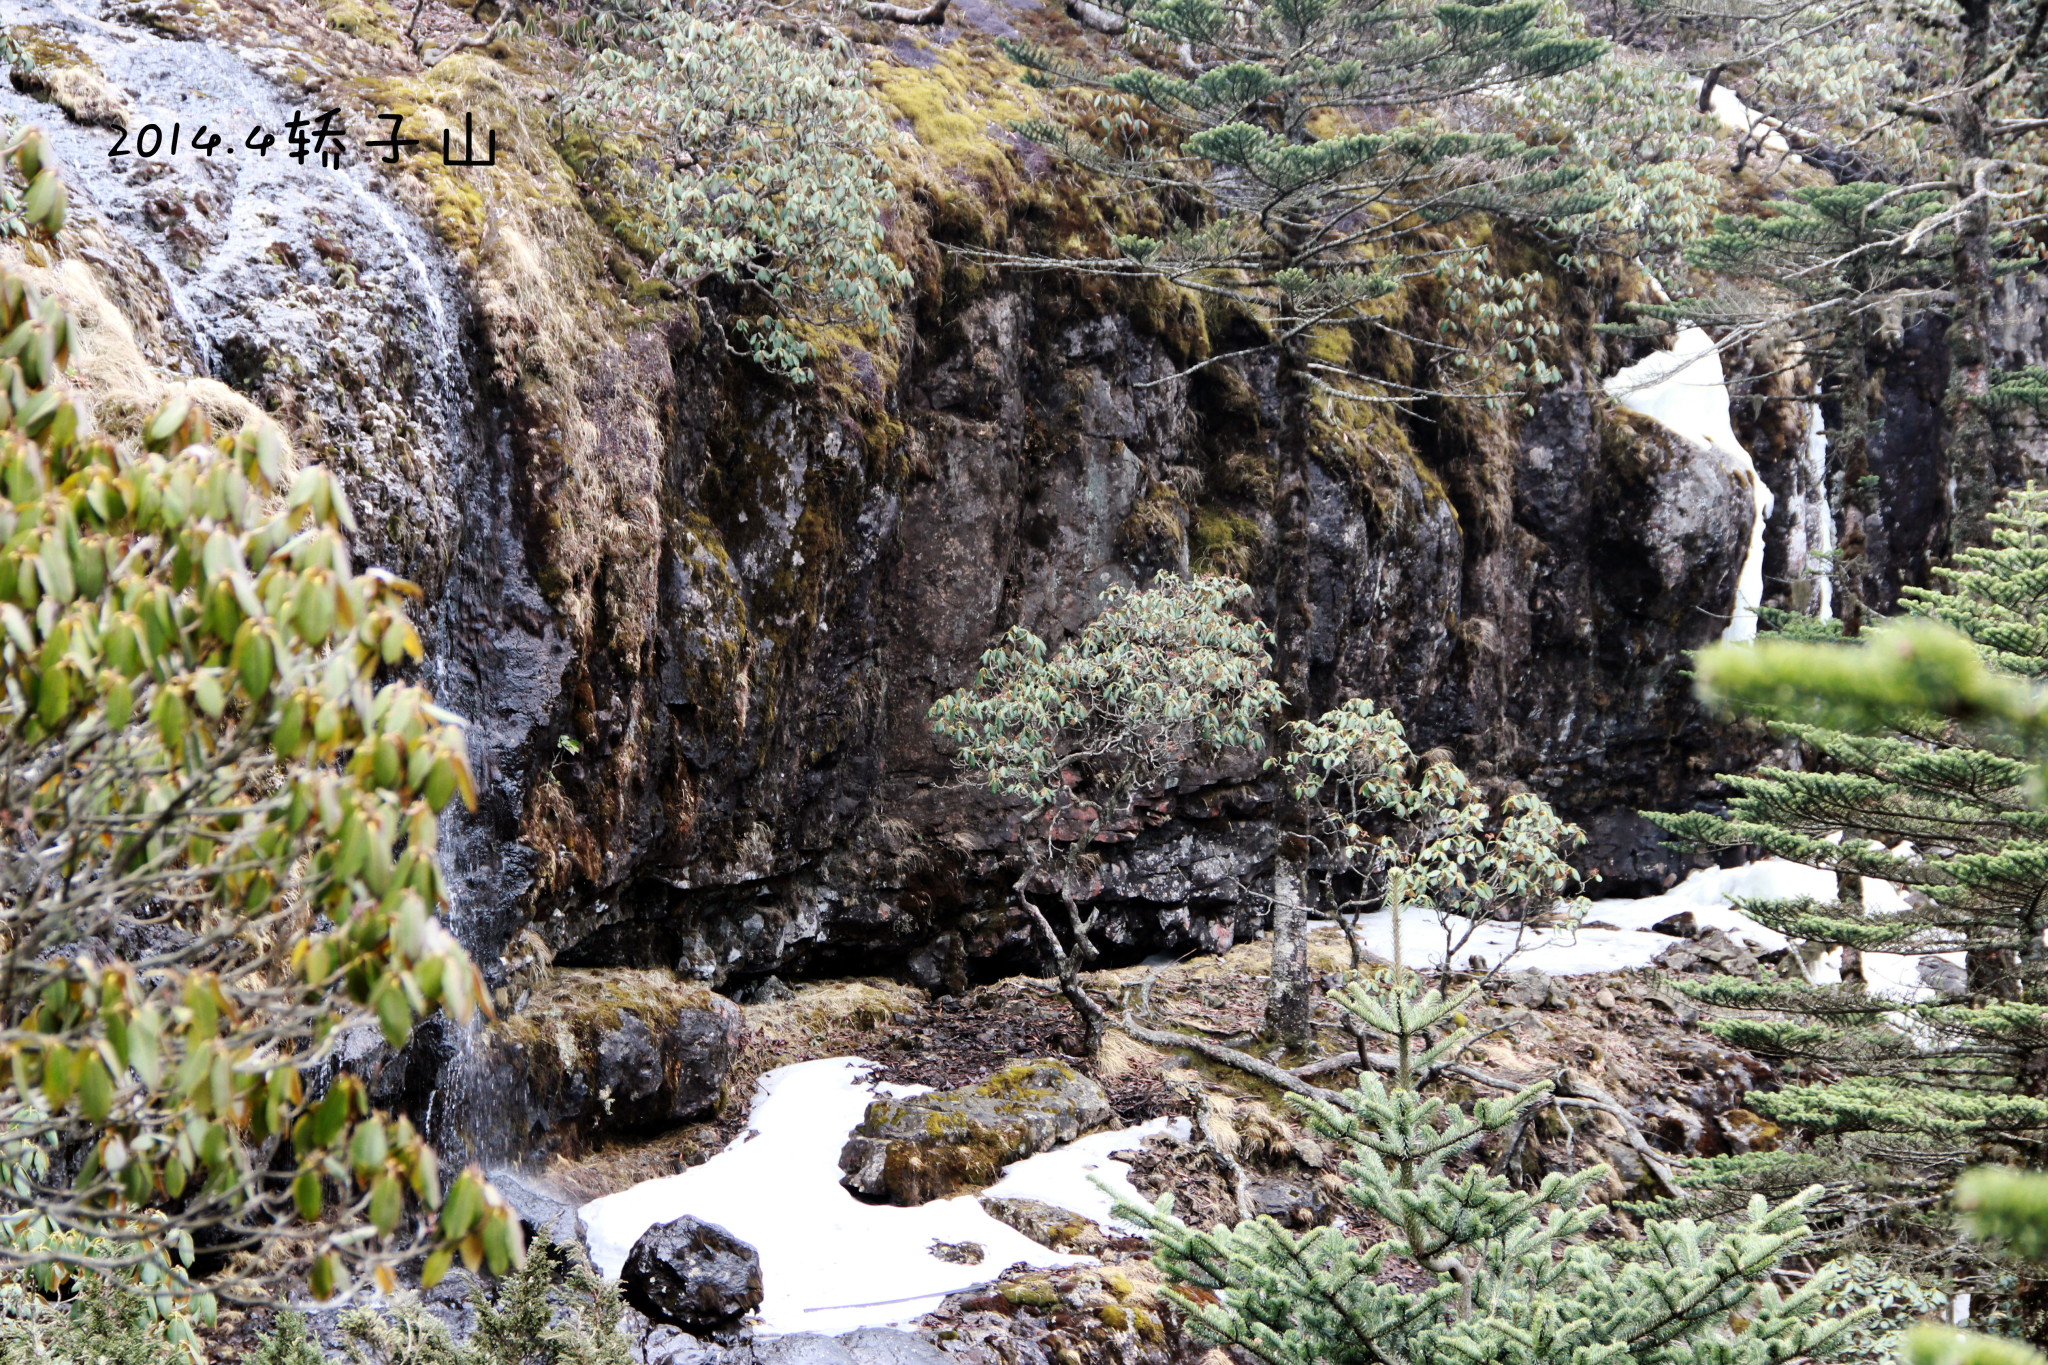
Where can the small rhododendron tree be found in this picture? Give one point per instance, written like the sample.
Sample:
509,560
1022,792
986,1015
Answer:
1161,677
771,176
1392,828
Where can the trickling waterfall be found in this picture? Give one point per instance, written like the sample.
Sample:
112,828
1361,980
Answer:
314,292
305,287
1686,389
1812,534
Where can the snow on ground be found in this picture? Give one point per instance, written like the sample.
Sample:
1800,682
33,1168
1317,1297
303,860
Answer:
1564,951
1065,1177
830,1263
1684,388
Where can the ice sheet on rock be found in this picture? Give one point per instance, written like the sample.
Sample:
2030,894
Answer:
830,1263
1685,389
1707,894
1813,522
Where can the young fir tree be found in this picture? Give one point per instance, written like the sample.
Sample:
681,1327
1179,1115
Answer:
1939,802
1469,1268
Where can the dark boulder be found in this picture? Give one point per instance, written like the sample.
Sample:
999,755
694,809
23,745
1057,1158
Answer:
692,1274
593,1054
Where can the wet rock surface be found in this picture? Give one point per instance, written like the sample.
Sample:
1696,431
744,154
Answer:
543,1208
312,291
692,1274
925,1147
591,1054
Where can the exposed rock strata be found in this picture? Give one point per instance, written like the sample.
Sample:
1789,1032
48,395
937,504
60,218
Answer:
697,616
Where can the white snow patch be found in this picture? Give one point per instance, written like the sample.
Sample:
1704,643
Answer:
1685,389
1564,951
830,1263
1065,1176
1726,106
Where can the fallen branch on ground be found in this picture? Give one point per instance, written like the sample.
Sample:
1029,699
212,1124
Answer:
1579,1093
484,39
1196,1094
1229,1056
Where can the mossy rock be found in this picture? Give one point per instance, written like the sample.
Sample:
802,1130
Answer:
1046,1224
926,1147
1034,1291
612,1050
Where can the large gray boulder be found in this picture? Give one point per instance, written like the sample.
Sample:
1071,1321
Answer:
595,1054
692,1274
926,1147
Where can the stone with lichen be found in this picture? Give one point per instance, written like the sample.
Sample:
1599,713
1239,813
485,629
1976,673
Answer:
924,1147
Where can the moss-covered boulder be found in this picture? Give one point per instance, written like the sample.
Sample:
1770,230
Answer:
926,1147
602,1051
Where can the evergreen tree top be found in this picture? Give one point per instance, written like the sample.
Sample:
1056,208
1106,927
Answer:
1492,1273
1919,769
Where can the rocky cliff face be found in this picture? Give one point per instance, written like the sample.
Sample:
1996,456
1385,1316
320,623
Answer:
696,616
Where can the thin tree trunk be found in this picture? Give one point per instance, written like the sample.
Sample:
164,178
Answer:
1288,1004
1287,1000
1970,451
1849,901
1068,964
1852,560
